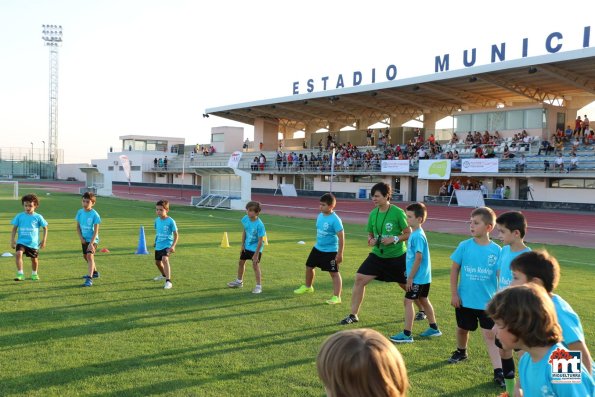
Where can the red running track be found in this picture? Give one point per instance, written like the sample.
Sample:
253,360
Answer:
549,227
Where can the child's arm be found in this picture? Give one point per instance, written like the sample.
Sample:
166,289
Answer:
585,354
173,246
371,240
45,237
455,270
339,257
95,233
13,243
256,255
80,233
243,240
414,269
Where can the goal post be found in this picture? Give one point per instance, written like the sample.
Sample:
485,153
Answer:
9,189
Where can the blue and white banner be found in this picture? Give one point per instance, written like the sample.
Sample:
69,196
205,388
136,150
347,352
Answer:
434,169
394,166
480,165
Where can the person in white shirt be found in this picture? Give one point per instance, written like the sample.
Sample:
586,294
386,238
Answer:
573,163
559,163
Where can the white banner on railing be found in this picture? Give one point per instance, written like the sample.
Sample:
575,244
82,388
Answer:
470,198
234,159
394,166
480,165
434,169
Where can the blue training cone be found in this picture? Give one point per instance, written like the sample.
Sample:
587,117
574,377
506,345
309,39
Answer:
142,243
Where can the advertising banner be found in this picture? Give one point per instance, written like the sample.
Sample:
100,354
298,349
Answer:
396,166
434,169
480,165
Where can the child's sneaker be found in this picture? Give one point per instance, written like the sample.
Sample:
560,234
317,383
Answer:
457,357
499,379
19,277
235,284
168,285
159,278
257,289
95,274
401,338
419,316
303,289
350,319
431,332
35,277
88,282
335,300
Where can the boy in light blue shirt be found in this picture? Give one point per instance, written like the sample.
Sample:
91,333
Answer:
525,318
327,253
473,282
27,224
87,228
252,246
512,227
419,275
166,238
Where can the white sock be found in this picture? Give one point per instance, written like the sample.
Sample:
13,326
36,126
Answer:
33,273
20,272
239,281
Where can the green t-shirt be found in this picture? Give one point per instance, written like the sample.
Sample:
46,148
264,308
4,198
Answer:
388,224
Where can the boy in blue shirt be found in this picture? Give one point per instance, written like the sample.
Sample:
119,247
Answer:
327,254
166,238
525,319
512,227
419,275
28,223
87,228
252,246
541,268
473,282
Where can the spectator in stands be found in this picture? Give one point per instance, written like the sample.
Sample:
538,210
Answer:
590,138
546,165
559,162
456,160
246,143
160,162
558,144
546,146
155,162
489,152
212,150
443,191
578,126
520,164
573,163
497,137
254,164
262,161
279,160
454,139
484,189
506,193
506,154
457,184
498,192
568,133
165,162
576,144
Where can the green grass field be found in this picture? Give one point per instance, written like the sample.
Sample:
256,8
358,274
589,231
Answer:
126,336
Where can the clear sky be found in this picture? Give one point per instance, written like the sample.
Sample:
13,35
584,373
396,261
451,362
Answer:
151,67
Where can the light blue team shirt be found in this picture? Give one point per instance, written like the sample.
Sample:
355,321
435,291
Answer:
254,230
327,227
418,242
477,278
87,221
28,228
572,329
164,237
504,261
536,379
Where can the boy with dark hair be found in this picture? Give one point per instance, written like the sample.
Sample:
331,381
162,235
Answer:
87,228
252,246
166,238
419,275
473,282
541,268
327,254
27,224
525,319
512,227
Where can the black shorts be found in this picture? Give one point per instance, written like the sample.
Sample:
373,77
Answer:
89,248
467,319
391,270
159,254
418,291
29,252
247,255
324,260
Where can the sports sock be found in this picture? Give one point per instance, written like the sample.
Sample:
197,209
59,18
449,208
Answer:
509,386
407,332
33,273
463,351
20,272
167,280
434,326
508,367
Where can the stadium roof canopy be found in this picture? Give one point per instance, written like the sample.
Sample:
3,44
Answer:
562,79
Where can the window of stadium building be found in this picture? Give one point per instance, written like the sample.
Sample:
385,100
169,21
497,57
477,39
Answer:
336,178
572,183
368,178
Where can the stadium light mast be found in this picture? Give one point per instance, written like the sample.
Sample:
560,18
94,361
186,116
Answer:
52,35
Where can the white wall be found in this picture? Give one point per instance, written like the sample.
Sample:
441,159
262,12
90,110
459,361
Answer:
72,171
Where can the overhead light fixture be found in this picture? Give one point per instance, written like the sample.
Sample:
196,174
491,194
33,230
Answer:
532,70
472,79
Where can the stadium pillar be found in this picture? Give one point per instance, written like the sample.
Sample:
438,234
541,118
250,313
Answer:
430,119
266,131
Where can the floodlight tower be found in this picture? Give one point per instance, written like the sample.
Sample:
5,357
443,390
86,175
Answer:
52,35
